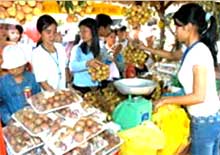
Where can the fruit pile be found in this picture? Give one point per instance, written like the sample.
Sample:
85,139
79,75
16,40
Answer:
47,101
65,137
138,14
19,139
105,99
40,124
69,113
20,10
111,138
39,150
134,55
99,73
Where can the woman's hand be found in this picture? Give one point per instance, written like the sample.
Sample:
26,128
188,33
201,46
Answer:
116,49
93,63
159,103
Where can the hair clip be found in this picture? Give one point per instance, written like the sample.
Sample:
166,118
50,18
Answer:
208,15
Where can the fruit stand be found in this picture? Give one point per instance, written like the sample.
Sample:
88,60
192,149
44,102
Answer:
59,129
67,122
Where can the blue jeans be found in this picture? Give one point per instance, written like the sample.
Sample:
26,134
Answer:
205,135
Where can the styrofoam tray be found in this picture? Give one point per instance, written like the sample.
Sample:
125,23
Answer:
79,110
28,130
50,116
100,148
49,142
11,151
114,149
54,109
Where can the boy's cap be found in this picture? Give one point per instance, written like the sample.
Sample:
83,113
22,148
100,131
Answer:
13,57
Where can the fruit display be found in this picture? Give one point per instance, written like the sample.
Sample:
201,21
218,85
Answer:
75,9
20,10
69,113
36,151
64,137
75,112
99,73
97,143
113,140
101,144
18,140
134,55
105,99
49,101
81,150
138,14
34,123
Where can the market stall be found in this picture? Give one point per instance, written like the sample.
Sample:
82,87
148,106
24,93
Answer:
114,119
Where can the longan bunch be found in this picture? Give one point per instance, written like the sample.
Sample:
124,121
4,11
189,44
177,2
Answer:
99,73
157,93
105,99
20,10
75,9
134,55
137,14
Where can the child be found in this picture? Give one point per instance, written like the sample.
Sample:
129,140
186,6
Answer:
13,84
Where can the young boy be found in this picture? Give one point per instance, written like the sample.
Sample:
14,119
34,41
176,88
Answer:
13,84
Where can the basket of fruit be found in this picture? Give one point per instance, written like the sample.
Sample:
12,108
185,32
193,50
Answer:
135,86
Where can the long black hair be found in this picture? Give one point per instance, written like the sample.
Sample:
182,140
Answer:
205,22
94,48
43,23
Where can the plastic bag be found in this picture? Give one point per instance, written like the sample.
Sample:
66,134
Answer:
175,124
145,139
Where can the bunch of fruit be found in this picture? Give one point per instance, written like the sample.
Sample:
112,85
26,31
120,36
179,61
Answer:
138,14
20,10
99,73
75,9
134,55
105,99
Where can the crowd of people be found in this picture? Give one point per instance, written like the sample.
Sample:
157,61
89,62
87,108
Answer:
49,66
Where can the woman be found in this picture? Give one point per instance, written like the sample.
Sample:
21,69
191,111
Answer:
113,50
197,30
49,58
85,55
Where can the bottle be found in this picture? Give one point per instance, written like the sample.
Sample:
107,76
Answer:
27,92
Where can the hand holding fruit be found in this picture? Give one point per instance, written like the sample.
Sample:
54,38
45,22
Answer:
116,49
93,63
159,103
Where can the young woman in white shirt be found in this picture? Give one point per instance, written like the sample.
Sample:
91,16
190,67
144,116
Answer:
49,59
197,30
